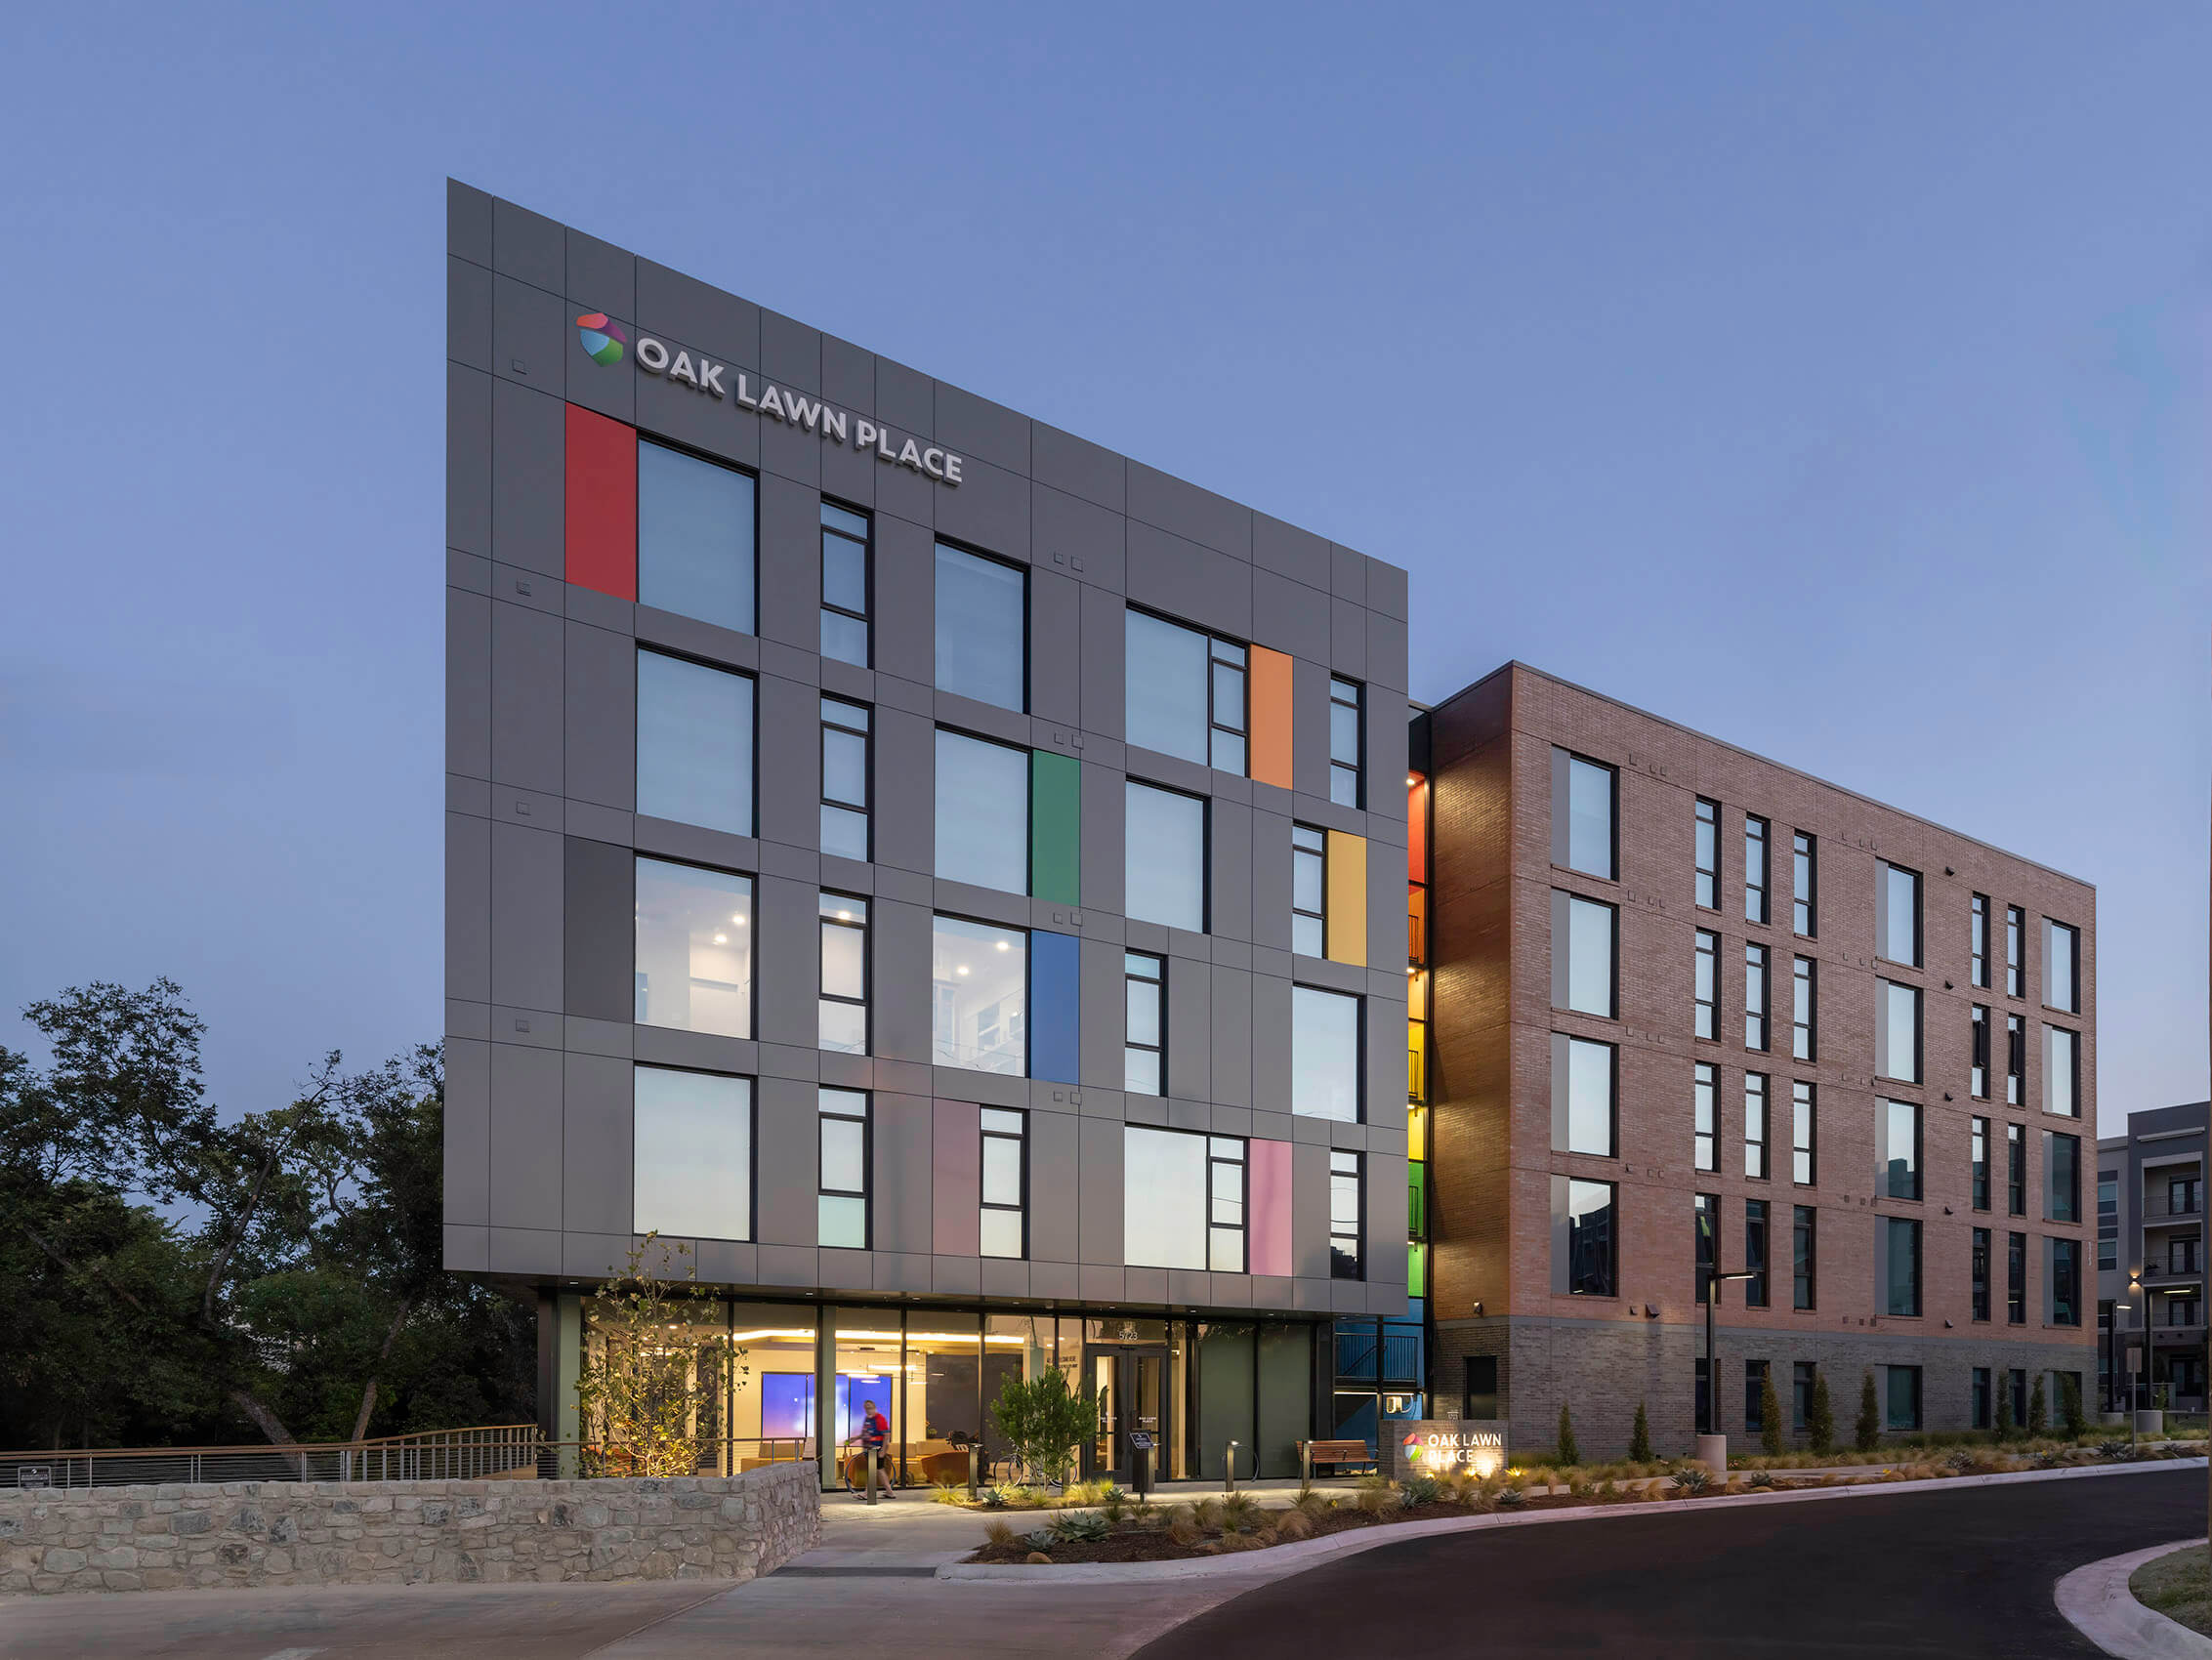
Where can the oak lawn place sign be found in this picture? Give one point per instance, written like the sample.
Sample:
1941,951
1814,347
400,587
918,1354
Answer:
710,379
1432,1447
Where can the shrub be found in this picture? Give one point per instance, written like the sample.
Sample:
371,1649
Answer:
1043,1423
1820,1416
1087,1526
1692,1479
2038,1410
998,1532
1041,1541
1293,1524
1639,1437
1376,1495
1570,1453
1115,1504
1314,1504
1760,1479
1421,1489
1239,1510
2069,1406
1183,1526
1512,1498
1866,1433
1769,1416
2114,1449
2005,1423
1206,1513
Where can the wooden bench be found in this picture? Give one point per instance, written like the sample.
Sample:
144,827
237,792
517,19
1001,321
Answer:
1336,1452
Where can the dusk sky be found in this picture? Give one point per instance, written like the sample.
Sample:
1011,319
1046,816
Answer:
1829,377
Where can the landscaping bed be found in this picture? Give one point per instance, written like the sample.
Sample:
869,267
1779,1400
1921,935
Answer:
2177,1585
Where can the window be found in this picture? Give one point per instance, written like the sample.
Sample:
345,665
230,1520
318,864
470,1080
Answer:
1754,869
1978,1154
695,537
1978,942
1705,1106
1805,1242
845,780
841,1020
1901,1397
1755,982
845,585
1005,1230
983,629
2107,1221
2061,1177
1896,913
1708,985
1898,1125
1803,1376
1186,692
1347,743
2016,1170
1982,1274
1324,1054
1184,1200
1805,982
2061,966
1144,1063
2015,1381
1901,1267
1754,1396
1804,1139
1166,856
692,1155
694,963
1704,1219
982,812
1805,883
1582,1095
1978,1073
1309,891
2062,1072
1897,1031
2015,1060
1582,954
979,997
1981,1406
1585,1253
2062,1269
1584,821
2016,1282
1755,1253
842,1204
695,744
2016,928
1755,1125
1347,1214
1708,855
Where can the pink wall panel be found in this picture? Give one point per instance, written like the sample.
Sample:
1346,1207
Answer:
1270,1225
956,1179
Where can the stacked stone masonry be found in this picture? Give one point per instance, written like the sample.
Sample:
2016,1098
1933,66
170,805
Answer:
251,1533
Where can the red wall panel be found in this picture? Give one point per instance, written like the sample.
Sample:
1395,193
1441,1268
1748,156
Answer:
602,503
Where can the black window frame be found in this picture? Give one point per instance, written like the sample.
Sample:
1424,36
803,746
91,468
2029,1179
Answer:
1705,1240
1242,1226
1805,883
1705,1094
1758,1237
1978,1267
1705,1018
867,547
864,926
2016,1060
1978,943
1805,1257
1804,1132
1977,1053
1805,1033
1758,1151
1759,831
1884,870
1706,828
1320,854
1020,1139
1887,1183
1358,764
865,732
865,1194
1758,957
2016,1278
1978,1186
2016,951
1159,982
1351,1263
2016,1170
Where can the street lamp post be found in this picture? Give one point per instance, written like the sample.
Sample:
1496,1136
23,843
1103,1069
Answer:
1712,1445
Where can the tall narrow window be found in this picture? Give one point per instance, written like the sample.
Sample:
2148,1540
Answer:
2061,1177
845,780
1708,855
1805,1242
1804,977
691,1154
1901,1390
1978,942
1898,1122
2016,1279
2061,966
842,1206
1347,1214
1755,1253
1804,885
1897,1031
1981,1271
1228,717
1901,1278
1896,913
693,964
1583,1111
1227,1185
845,585
2062,1072
1755,870
2015,946
1978,1069
2061,1270
1309,891
1165,873
1755,982
1585,1249
844,993
1705,1224
2016,1170
1005,1229
1979,1164
695,532
1347,743
1982,1409
1582,954
1755,1125
1804,1134
1708,985
1754,1394
978,996
2108,1220
695,744
1585,822
1705,1106
982,812
983,629
2016,1060
1145,1052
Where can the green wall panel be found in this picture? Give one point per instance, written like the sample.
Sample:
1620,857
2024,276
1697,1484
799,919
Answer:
1056,828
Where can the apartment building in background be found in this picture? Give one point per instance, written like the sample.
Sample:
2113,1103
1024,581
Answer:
1687,1008
2151,1330
938,873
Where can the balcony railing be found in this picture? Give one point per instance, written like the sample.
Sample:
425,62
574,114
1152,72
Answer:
483,1452
1416,1077
2161,1207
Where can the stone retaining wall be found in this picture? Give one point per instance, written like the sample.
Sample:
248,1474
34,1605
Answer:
243,1533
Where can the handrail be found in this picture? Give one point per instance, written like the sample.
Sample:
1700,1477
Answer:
484,1451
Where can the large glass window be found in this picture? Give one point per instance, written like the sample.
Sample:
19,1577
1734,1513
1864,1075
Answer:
1582,1095
2062,1072
1977,945
1805,982
1979,1273
1896,913
1583,823
2016,951
1755,1125
1005,1182
1166,857
982,812
2061,966
1900,1277
1347,1214
1584,1238
1143,1063
1347,743
983,629
1804,1134
1708,855
1582,954
2062,1267
1704,1222
695,523
2016,1170
1898,1123
695,744
1186,692
1324,1054
1897,1031
692,1155
1704,1098
842,1205
841,1017
1977,1063
693,966
1755,1253
2061,1177
2015,1283
1805,1246
2015,1060
1755,906
1173,1200
844,778
1309,891
1901,1390
1805,883
1757,974
1707,992
978,992
845,585
1977,1163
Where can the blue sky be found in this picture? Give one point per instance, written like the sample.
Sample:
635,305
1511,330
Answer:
1829,377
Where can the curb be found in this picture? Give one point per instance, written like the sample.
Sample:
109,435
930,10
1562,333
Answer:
1277,1561
2096,1598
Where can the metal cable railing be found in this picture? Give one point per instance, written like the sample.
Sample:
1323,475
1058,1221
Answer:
480,1452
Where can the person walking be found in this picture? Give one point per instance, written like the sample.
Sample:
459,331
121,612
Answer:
875,1437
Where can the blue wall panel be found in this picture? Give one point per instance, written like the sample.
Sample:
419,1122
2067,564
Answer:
1053,1002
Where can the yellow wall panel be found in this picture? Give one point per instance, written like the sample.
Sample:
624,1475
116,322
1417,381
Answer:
1347,899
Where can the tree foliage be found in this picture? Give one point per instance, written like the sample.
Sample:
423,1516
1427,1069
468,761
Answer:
2038,1408
1821,1415
1866,1433
1044,1422
1569,1454
640,1397
1639,1437
1769,1416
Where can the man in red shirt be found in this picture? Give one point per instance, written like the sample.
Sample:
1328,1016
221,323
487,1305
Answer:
875,1437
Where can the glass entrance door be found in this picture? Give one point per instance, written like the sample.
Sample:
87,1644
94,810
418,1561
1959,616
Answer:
1132,1390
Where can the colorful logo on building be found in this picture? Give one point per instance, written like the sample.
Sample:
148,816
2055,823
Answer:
602,341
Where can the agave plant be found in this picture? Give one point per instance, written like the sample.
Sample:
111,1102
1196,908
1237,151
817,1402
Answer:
1083,1526
1692,1479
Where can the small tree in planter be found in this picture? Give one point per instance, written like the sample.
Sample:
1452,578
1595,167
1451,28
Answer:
1044,1422
1569,1454
1639,1437
1820,1416
1866,1433
638,1395
2005,1423
2069,1406
2038,1409
1769,1417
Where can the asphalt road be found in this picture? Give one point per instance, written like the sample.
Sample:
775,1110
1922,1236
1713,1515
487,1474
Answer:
1961,1572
